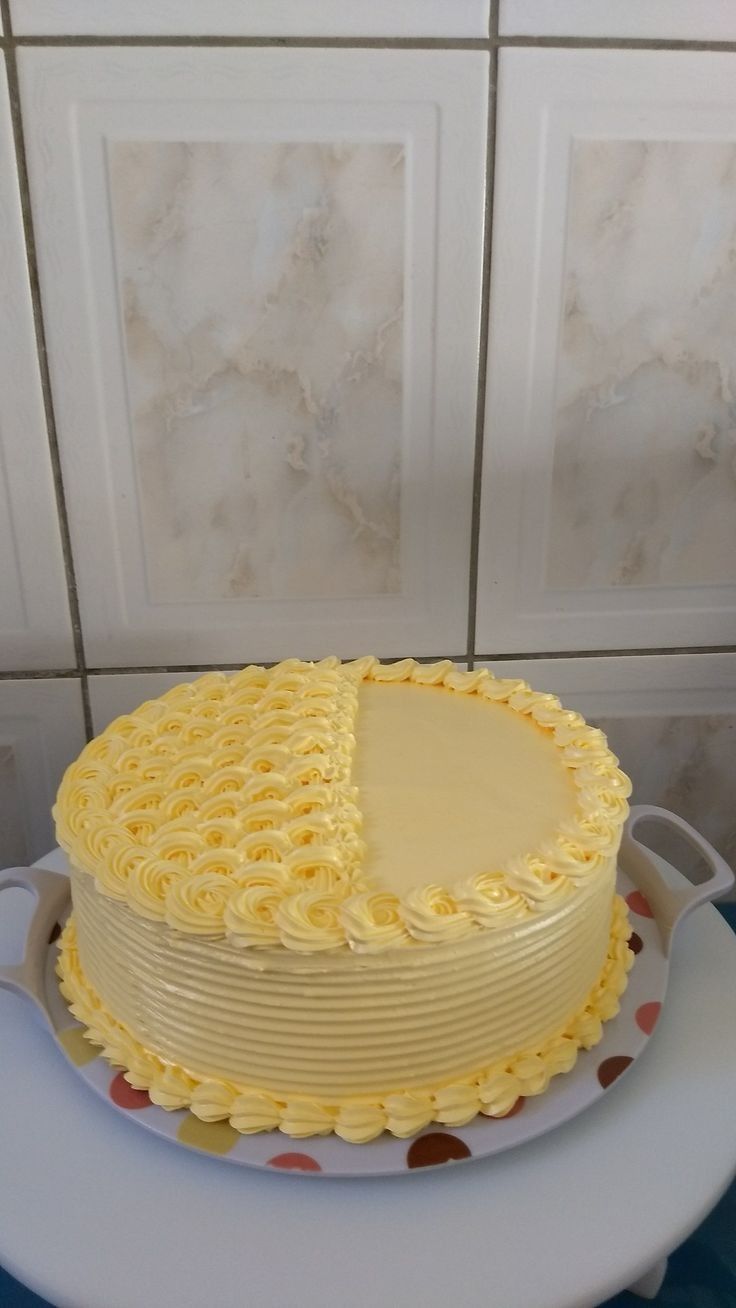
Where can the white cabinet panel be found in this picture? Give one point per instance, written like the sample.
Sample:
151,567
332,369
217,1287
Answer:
433,18
35,631
609,497
41,732
261,278
690,20
672,721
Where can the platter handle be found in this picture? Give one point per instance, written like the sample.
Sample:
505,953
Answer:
51,892
669,892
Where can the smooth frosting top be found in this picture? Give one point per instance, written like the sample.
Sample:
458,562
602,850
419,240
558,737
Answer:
238,805
446,778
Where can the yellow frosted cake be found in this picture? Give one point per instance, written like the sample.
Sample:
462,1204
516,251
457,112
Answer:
344,897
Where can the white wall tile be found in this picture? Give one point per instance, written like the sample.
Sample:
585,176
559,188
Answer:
35,631
251,18
41,732
268,431
690,20
609,498
671,719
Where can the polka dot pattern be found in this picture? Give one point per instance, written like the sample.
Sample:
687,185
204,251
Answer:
639,904
78,1050
646,1016
436,1147
212,1137
295,1162
636,944
611,1069
126,1096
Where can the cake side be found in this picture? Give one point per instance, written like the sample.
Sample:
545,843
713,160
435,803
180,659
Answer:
492,1089
341,1024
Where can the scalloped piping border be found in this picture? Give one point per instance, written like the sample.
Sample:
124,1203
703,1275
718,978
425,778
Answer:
492,1091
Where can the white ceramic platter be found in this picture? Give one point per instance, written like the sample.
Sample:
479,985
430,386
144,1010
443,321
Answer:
658,897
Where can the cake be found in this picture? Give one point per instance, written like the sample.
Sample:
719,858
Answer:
350,897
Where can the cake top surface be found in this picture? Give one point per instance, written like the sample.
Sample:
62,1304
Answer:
321,806
451,785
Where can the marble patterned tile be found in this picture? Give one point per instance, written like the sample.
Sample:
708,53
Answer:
644,477
35,627
261,287
671,719
713,20
686,764
41,731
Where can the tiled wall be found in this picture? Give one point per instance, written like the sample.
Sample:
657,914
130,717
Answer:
335,327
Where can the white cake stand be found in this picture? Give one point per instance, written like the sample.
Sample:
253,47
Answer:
93,1212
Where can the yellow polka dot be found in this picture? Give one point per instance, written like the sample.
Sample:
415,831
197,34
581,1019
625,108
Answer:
214,1137
78,1050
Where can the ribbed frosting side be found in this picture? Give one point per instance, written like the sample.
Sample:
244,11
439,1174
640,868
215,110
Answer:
345,1025
491,1088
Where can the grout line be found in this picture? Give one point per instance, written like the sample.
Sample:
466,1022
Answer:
236,667
376,43
259,42
493,19
40,334
612,43
665,652
482,354
653,652
54,674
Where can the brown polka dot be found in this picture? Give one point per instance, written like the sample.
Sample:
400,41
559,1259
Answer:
636,944
125,1095
437,1147
54,933
295,1162
611,1068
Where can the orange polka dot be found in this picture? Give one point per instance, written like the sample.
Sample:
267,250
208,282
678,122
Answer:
295,1162
639,904
125,1095
646,1016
